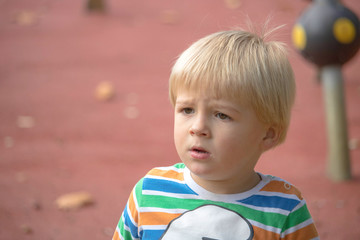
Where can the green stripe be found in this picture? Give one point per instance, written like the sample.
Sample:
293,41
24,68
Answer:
170,202
267,218
138,190
300,215
124,233
270,219
179,165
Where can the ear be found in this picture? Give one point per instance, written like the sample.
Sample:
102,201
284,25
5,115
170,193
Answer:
271,138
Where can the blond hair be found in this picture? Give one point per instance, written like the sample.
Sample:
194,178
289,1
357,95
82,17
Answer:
240,65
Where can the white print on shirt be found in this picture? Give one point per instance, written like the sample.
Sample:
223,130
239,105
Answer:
209,222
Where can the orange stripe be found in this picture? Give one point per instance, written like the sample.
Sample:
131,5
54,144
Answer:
308,232
167,174
157,218
132,207
283,187
261,234
116,236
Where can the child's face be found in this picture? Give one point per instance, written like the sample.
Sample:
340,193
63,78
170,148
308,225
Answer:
219,140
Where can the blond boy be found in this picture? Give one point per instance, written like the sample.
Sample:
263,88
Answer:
232,93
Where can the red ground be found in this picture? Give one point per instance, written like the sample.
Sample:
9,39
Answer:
50,65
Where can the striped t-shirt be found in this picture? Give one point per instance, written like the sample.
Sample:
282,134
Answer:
168,204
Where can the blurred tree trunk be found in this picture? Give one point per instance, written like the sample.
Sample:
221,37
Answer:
96,5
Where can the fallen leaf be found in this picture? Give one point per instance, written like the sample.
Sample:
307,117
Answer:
105,91
26,18
75,200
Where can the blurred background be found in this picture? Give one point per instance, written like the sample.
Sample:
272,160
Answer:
84,111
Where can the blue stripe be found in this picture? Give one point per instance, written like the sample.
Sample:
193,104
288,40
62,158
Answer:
127,222
271,202
151,234
166,186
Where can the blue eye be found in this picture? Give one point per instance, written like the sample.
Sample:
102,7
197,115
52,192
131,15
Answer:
222,116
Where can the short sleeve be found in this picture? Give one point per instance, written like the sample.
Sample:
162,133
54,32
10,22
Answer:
127,227
299,224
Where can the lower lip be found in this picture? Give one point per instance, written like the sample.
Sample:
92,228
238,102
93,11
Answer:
199,155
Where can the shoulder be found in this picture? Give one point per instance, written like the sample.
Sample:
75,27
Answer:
175,172
279,195
158,178
276,185
165,181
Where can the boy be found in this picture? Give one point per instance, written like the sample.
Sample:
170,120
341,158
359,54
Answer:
232,93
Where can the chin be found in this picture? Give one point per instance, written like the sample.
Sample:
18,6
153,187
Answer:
200,170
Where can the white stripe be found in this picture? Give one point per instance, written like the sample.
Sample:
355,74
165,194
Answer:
127,229
154,227
265,227
164,210
278,194
166,194
136,206
130,216
262,209
118,231
297,227
267,209
278,179
302,203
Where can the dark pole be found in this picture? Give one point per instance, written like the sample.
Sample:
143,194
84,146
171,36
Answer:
328,35
96,5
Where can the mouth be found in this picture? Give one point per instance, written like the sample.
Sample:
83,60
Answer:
198,149
199,153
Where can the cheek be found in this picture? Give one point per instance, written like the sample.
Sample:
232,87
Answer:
179,134
228,146
227,138
234,141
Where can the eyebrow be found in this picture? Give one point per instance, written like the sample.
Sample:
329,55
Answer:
213,103
226,106
184,101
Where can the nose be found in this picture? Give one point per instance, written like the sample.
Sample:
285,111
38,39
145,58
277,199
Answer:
200,127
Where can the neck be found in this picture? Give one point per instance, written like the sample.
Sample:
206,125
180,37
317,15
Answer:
238,184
